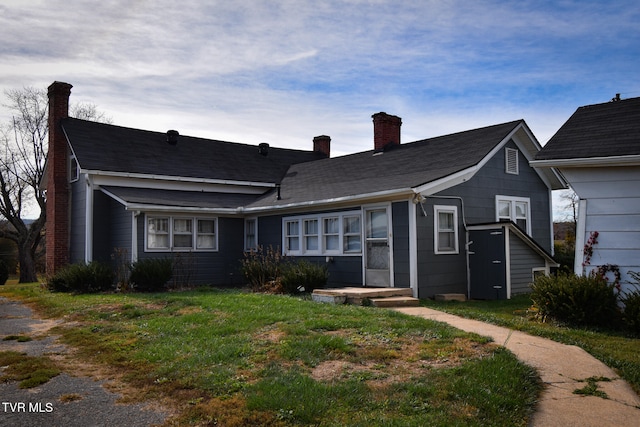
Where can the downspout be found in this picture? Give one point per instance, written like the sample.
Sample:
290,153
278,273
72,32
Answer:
88,221
134,236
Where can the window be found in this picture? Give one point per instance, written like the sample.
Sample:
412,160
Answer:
323,234
331,234
292,236
516,209
311,235
206,237
158,233
250,234
446,229
511,161
182,233
352,236
179,234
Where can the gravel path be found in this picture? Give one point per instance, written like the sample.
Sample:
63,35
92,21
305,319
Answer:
66,400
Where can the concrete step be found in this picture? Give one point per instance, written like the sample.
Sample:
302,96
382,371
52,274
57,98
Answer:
450,297
395,302
358,296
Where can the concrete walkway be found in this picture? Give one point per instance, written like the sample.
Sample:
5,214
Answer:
563,369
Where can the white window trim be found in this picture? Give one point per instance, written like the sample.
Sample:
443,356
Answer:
255,230
194,233
437,209
322,250
513,200
507,155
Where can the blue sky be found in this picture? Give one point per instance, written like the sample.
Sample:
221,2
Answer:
283,72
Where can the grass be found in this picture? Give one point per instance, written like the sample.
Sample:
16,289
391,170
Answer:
616,349
233,358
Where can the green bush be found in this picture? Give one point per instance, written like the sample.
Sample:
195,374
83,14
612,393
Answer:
631,301
82,278
577,300
303,276
4,272
263,269
151,275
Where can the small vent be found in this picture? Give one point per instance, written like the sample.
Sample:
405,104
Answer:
263,148
172,137
511,156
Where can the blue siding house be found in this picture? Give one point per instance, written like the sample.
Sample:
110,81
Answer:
461,213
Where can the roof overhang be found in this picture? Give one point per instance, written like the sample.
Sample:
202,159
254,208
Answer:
580,162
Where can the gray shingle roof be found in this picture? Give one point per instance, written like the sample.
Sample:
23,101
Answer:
103,147
402,167
601,130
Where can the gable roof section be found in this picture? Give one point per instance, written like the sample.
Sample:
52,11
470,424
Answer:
107,148
599,133
399,170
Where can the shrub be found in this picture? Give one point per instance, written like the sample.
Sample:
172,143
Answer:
150,275
82,278
263,269
303,276
631,301
4,272
577,300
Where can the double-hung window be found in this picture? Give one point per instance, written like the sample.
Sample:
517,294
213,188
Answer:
292,236
446,229
157,233
206,236
331,234
311,241
250,233
352,234
167,233
516,209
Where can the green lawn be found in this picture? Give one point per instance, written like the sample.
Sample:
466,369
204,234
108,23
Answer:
238,359
616,349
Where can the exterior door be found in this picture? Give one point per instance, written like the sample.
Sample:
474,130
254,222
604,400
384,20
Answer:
487,264
377,252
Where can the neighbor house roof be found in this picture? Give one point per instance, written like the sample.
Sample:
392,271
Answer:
400,169
599,132
102,147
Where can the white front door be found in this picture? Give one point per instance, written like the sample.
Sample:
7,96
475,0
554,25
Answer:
377,252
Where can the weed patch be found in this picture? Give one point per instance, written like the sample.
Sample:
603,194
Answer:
28,370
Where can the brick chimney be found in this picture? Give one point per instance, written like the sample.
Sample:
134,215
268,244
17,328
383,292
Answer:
386,130
57,226
322,144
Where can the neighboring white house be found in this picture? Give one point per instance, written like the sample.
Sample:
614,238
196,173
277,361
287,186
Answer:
598,152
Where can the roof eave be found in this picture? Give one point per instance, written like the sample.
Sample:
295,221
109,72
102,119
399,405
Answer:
603,161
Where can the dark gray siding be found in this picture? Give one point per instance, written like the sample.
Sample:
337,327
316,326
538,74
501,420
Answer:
523,261
400,233
479,195
446,273
221,268
111,227
78,222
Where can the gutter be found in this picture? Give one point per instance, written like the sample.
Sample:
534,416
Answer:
602,161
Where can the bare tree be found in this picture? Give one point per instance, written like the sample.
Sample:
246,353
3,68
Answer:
22,159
